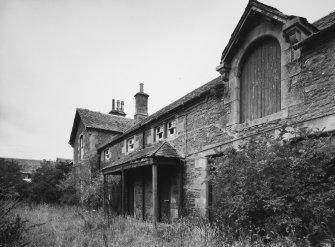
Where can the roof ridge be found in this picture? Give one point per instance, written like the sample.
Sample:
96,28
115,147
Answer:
164,142
107,114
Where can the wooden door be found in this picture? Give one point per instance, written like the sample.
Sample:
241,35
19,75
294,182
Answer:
260,80
164,194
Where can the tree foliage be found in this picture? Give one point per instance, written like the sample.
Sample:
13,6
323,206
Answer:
11,179
93,194
274,186
45,180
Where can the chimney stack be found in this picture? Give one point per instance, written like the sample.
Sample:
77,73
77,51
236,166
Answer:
141,104
119,111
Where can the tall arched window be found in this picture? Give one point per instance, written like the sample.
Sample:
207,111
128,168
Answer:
81,146
260,80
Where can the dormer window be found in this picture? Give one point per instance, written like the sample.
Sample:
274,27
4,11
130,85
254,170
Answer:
107,154
159,132
130,144
81,147
171,128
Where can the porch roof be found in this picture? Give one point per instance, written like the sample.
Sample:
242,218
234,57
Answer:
161,152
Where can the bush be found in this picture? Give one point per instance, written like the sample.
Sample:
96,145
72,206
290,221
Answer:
273,188
67,187
45,180
93,194
12,226
10,179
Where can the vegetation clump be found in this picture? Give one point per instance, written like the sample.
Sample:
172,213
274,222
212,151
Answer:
275,187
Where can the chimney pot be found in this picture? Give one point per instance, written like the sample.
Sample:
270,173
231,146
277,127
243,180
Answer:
119,111
118,105
141,87
122,106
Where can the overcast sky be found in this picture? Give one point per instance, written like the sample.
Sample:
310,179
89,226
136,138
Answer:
57,55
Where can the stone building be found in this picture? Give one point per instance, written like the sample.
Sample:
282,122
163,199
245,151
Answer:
276,69
90,129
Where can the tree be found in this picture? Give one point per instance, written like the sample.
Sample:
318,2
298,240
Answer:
274,187
45,180
67,187
10,178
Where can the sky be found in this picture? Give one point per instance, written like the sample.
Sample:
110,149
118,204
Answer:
59,55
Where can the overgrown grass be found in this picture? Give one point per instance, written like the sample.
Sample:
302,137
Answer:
73,226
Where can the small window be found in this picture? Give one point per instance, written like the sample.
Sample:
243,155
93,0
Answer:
81,147
159,132
130,144
107,154
171,128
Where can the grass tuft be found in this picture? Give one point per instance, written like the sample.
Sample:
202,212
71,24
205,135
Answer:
56,225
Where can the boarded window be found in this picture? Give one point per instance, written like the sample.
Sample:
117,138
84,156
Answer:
260,80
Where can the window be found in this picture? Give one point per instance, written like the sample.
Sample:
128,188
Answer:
171,128
107,154
261,80
165,130
159,132
130,144
81,147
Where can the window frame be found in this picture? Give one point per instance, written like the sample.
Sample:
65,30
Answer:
173,127
161,132
107,154
130,144
81,147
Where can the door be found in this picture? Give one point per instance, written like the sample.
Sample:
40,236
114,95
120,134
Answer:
260,80
164,194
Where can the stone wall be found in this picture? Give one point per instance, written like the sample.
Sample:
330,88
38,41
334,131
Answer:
209,124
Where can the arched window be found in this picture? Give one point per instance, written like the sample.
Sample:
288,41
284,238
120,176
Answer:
81,147
260,80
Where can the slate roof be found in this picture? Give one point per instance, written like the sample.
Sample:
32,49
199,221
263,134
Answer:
100,121
325,21
326,27
199,92
253,6
161,149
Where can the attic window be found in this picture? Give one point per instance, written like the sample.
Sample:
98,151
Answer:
107,154
159,132
171,127
130,144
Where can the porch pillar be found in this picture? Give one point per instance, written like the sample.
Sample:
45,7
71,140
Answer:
143,195
154,193
180,206
123,182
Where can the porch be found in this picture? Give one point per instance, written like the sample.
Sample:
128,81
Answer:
151,184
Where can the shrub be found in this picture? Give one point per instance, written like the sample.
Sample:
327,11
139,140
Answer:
10,179
12,226
272,188
67,187
45,180
93,194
